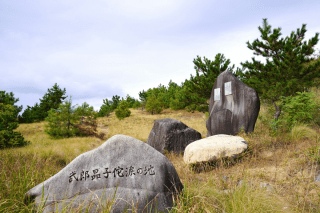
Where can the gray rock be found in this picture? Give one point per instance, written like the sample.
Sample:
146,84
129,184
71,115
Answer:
233,105
240,182
317,178
172,135
124,167
225,178
244,183
266,186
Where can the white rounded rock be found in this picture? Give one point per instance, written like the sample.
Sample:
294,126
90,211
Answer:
213,148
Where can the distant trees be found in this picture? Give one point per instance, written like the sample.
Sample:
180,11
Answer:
9,122
31,114
174,96
193,93
161,97
287,73
51,100
109,106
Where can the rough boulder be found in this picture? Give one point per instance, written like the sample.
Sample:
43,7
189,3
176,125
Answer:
135,174
172,135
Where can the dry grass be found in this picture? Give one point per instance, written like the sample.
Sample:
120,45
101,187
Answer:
140,123
288,162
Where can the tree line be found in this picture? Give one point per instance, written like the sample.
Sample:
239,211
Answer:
289,71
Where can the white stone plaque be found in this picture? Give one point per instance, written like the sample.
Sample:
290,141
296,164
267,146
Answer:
227,88
217,94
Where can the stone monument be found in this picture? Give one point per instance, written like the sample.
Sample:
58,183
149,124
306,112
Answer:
172,135
124,171
233,106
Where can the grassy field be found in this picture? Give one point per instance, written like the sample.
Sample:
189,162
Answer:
276,174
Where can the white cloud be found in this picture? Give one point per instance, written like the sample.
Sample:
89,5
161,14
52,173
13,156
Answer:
97,49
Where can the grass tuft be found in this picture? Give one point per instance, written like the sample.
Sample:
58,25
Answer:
302,131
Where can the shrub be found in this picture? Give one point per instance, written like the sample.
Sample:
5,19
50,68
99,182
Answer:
203,108
153,105
191,108
67,121
88,127
9,122
123,110
298,109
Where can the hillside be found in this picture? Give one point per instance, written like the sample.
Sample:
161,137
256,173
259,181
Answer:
276,174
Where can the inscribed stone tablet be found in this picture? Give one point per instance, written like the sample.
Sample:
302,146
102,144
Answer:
217,94
124,170
238,109
227,88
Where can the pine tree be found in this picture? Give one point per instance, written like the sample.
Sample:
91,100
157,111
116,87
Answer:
153,105
105,109
84,110
51,100
31,114
285,74
8,98
130,100
26,116
184,97
143,99
61,121
115,102
136,105
123,110
9,122
207,72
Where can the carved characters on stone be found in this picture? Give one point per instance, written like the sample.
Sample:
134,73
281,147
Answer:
123,170
96,174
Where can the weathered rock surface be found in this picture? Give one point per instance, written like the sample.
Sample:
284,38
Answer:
172,135
137,174
233,105
213,148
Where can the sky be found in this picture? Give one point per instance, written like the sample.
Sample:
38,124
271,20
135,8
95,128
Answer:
101,48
